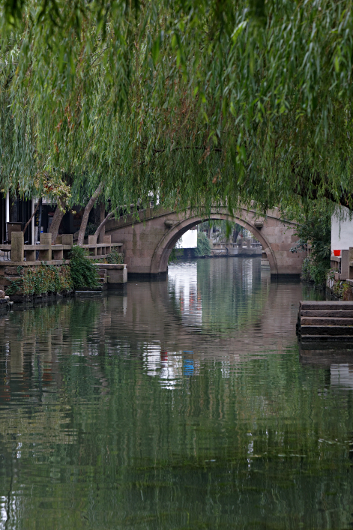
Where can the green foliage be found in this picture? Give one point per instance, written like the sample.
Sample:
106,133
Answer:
90,229
314,271
115,257
14,287
41,280
314,229
83,272
175,254
198,102
52,279
341,289
203,245
225,229
46,279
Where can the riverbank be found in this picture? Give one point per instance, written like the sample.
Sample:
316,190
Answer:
181,254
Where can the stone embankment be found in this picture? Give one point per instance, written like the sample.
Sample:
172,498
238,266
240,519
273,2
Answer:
112,274
33,274
325,321
4,302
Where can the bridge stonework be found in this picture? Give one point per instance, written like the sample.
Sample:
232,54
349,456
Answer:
149,239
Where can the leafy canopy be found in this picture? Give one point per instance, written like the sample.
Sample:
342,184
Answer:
196,101
314,229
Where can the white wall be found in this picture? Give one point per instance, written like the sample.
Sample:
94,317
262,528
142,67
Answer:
341,375
341,230
188,240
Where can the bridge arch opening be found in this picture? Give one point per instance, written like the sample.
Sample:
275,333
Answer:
159,263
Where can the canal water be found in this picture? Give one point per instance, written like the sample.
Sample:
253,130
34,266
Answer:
182,404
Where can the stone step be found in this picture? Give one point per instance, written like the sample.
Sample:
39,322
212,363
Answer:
347,313
326,321
326,330
327,306
327,338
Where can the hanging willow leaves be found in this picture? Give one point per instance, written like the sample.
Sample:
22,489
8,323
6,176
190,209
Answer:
198,102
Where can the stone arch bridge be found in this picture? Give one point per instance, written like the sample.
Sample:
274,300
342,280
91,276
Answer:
149,238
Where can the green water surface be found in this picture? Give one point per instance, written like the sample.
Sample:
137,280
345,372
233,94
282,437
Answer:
177,405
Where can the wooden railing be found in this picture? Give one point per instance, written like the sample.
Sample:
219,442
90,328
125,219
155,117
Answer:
18,252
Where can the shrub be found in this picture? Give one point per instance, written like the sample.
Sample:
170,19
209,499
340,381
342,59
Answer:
314,228
46,279
41,280
79,273
83,272
343,291
115,257
314,271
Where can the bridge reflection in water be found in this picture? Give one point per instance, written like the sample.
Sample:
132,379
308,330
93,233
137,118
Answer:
223,309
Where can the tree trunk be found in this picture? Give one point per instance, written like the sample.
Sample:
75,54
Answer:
33,214
103,223
235,234
89,206
56,222
101,219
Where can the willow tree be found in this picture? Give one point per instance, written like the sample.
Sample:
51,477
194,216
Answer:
198,101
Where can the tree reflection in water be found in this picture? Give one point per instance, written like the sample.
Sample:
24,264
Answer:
131,412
